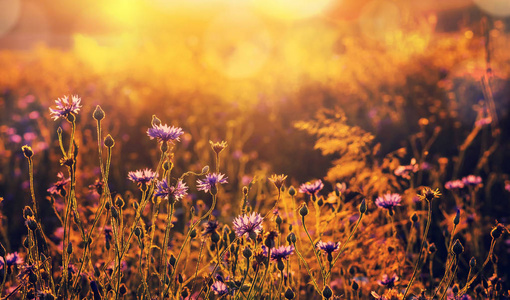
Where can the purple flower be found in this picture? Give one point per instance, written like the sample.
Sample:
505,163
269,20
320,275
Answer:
66,107
387,281
210,227
176,192
12,259
311,188
328,247
142,177
281,252
454,184
472,180
219,288
388,201
165,133
483,121
210,181
248,225
58,187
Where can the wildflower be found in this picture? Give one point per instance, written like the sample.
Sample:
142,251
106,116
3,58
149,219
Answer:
210,227
66,107
387,281
165,133
278,180
282,252
219,288
58,187
429,194
388,201
218,146
311,188
472,180
176,192
25,272
454,185
249,225
97,186
328,247
142,177
210,181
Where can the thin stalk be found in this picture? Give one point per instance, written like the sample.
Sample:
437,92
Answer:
323,270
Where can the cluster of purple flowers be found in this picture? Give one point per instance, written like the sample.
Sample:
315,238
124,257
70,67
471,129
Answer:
210,181
311,188
388,281
248,225
388,201
219,288
176,193
470,180
58,187
11,259
65,107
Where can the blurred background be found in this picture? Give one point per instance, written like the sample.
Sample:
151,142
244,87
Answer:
246,71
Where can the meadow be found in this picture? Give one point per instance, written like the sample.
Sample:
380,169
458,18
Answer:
378,169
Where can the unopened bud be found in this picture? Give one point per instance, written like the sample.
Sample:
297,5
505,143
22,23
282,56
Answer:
98,113
363,207
303,211
109,141
457,247
327,292
27,151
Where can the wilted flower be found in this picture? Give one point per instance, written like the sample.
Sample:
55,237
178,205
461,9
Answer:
387,281
278,180
142,177
210,181
58,186
282,252
65,107
248,224
388,201
218,146
472,180
165,133
219,288
328,247
429,194
454,184
311,188
176,192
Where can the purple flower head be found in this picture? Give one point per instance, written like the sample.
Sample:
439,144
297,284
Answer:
483,121
142,177
388,281
248,225
219,288
454,184
210,181
311,188
58,187
176,192
282,252
65,107
12,259
472,180
210,227
388,201
165,133
328,247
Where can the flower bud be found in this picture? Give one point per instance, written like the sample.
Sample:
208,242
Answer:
363,207
27,151
27,212
497,231
457,218
303,211
414,218
98,113
327,292
292,191
172,260
215,237
70,117
472,262
291,238
278,220
119,202
109,141
432,248
245,191
155,121
457,247
205,169
281,265
139,232
289,294
354,285
247,252
193,234
69,248
31,223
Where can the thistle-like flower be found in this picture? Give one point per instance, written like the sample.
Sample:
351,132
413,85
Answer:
58,187
210,227
282,252
210,181
311,188
165,133
328,247
388,281
472,180
65,107
278,180
142,177
388,201
249,225
454,185
175,193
